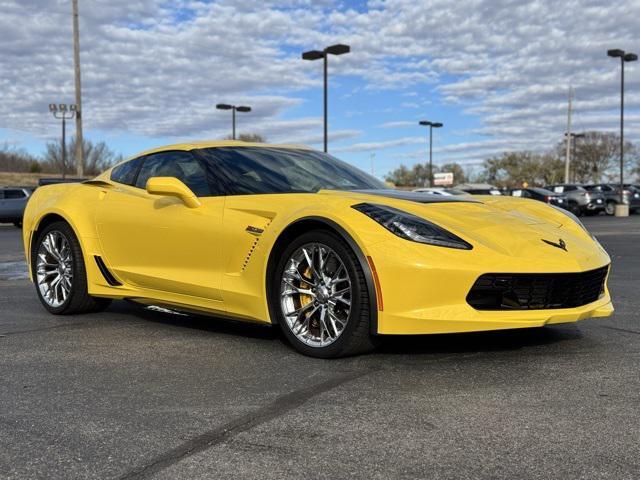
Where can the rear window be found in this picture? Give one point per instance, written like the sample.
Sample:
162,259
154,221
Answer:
14,194
127,172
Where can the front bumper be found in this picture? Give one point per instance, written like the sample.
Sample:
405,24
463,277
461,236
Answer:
427,294
595,205
462,318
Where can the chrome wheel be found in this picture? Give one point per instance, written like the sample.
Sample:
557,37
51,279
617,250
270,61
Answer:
315,295
54,269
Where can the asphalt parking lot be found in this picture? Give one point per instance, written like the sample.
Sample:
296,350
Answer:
132,393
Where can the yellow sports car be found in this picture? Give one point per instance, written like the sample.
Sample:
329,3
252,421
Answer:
291,236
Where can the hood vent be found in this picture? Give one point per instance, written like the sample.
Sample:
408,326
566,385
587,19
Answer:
416,197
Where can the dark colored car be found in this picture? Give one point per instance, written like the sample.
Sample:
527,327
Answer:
12,203
478,189
542,195
581,201
611,193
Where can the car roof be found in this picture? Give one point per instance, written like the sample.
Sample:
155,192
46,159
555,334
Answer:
218,143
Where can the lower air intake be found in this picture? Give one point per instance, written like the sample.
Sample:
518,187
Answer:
536,291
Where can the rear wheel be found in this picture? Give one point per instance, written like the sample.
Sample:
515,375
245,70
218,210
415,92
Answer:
59,273
610,208
320,297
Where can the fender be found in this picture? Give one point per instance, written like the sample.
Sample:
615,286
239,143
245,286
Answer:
362,260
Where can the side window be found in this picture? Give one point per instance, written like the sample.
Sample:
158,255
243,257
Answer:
178,164
126,172
14,194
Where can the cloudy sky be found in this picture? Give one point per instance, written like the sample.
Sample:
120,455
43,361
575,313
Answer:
495,72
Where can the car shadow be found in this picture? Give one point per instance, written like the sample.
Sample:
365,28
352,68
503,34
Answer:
492,341
204,323
452,343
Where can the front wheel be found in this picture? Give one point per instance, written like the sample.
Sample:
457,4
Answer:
59,273
320,297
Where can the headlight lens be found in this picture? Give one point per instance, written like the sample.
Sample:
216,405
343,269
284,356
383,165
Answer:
411,227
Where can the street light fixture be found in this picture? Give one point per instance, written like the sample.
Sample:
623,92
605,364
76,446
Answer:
431,126
624,57
234,109
63,112
338,49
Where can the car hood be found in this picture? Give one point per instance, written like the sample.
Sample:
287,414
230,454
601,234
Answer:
508,225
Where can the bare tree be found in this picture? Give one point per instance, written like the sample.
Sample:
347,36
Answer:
17,160
249,137
597,155
97,157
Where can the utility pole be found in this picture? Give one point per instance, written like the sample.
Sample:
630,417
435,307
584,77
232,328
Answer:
567,160
76,62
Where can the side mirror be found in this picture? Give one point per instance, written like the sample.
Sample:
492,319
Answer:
171,186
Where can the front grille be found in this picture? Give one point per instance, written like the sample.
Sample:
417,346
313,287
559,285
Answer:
536,291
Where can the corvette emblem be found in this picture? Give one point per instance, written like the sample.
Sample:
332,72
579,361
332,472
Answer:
561,244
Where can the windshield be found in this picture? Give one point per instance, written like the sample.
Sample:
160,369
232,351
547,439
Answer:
255,170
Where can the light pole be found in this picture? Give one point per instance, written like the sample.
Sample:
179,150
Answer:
338,49
624,57
234,109
63,112
431,126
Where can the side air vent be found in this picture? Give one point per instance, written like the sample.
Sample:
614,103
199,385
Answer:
249,253
108,276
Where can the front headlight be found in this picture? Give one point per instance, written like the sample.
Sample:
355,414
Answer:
411,227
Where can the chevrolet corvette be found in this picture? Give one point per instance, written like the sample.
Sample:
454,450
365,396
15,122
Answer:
289,236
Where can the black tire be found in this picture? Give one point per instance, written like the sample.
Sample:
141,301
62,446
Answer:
575,209
79,300
610,208
356,337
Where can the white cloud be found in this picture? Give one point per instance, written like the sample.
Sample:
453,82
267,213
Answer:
374,146
156,68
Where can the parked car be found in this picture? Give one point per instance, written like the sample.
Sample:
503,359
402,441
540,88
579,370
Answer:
580,200
479,189
611,193
542,195
447,192
12,203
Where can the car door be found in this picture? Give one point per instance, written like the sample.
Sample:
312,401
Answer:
157,242
15,199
